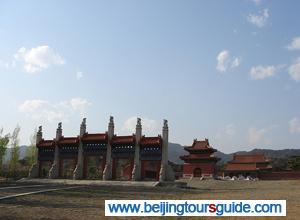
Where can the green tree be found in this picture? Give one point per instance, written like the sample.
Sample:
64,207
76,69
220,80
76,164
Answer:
4,140
279,164
31,150
15,149
294,163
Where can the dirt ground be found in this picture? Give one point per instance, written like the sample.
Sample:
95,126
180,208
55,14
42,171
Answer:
88,202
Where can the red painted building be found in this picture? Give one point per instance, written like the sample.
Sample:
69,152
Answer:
103,156
200,161
247,165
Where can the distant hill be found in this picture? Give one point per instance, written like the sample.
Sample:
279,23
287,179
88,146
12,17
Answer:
273,153
8,153
176,150
224,157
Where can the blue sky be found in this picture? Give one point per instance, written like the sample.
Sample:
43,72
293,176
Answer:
225,70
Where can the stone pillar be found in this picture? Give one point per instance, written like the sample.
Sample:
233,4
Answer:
166,172
107,173
136,172
78,172
54,170
39,135
34,170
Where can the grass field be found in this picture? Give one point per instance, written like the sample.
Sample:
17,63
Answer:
88,202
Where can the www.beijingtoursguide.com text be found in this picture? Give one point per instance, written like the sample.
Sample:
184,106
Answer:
195,207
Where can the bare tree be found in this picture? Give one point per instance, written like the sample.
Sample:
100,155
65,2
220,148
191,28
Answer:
31,150
15,149
4,140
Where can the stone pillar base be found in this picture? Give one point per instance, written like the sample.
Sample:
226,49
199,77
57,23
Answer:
77,174
166,173
170,175
162,173
136,173
107,173
54,171
34,171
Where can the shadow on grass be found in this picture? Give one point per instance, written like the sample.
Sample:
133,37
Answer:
49,203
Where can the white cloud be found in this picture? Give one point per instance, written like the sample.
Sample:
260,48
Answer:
79,75
294,70
53,112
32,105
227,132
257,2
79,104
41,109
148,125
294,125
8,65
295,44
226,61
257,136
230,130
51,115
236,62
38,58
261,72
223,59
259,19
